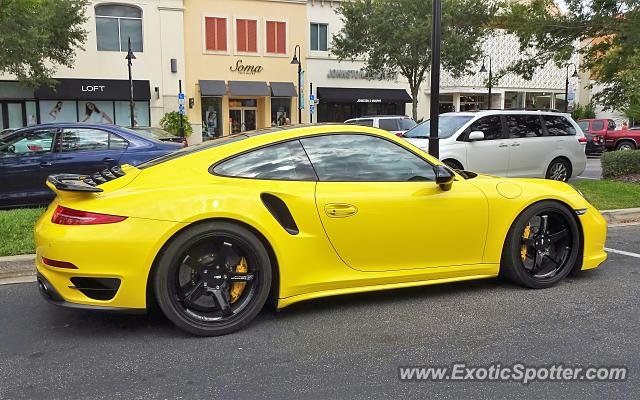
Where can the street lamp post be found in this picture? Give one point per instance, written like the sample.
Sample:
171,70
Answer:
436,15
566,85
130,56
490,85
297,59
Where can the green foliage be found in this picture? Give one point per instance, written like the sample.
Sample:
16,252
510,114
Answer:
395,36
170,122
16,231
583,112
38,35
607,33
620,163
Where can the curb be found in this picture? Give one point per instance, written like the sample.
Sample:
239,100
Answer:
622,216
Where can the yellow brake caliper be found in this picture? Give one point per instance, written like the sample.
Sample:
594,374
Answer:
238,287
525,235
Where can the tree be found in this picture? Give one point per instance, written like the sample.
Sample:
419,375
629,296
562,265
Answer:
605,32
38,35
395,36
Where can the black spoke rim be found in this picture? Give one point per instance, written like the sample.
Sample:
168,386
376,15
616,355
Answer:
546,244
214,279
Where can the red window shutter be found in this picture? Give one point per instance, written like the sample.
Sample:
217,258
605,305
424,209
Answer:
252,36
221,34
271,37
210,33
281,47
241,35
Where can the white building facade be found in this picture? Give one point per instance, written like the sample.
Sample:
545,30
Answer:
96,88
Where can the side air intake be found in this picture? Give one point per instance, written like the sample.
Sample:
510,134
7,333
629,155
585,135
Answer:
280,212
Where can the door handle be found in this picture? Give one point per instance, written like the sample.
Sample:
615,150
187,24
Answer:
340,210
45,164
503,145
515,145
108,160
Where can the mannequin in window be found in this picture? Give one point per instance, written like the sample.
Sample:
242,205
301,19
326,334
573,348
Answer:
93,114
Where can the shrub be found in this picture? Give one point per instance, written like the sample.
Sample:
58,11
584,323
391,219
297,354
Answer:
620,163
583,112
171,123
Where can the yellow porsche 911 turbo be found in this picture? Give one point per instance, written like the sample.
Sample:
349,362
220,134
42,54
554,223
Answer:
211,232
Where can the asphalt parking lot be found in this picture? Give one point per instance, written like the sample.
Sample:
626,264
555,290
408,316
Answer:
593,169
343,347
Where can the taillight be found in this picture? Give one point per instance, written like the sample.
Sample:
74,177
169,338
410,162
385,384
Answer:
58,264
582,140
68,216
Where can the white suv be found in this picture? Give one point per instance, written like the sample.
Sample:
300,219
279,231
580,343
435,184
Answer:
396,124
542,144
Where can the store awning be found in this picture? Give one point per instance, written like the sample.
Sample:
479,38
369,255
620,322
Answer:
94,89
212,88
283,89
358,95
249,88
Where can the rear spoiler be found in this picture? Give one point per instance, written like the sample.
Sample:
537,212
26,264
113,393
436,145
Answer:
84,183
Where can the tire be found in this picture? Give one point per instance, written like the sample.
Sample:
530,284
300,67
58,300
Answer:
517,264
453,164
626,145
559,170
195,280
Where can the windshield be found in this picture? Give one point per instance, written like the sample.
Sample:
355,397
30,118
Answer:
406,124
447,126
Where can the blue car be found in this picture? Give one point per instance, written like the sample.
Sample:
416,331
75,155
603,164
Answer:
29,155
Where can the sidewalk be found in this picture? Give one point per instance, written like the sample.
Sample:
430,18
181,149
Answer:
17,269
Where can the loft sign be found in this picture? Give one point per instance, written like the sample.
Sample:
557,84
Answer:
245,69
92,88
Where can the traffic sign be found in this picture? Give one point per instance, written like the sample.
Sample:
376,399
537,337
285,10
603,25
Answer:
181,96
312,97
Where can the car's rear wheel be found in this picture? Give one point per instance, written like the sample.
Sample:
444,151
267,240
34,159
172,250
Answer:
626,145
559,170
542,246
213,278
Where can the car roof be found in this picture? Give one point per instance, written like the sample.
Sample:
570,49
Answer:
380,117
507,111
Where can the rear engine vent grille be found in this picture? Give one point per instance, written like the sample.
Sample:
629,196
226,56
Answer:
103,176
96,288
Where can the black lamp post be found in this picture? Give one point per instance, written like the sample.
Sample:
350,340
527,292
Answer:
566,85
130,57
297,59
436,15
490,85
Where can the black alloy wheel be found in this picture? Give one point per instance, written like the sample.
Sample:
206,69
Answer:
213,279
542,247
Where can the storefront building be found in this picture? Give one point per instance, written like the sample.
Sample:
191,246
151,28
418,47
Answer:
96,88
342,90
239,73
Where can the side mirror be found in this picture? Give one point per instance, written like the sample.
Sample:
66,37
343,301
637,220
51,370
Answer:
476,135
444,177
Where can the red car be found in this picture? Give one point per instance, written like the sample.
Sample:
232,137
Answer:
626,139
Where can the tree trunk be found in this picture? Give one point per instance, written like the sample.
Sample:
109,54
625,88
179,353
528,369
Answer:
414,101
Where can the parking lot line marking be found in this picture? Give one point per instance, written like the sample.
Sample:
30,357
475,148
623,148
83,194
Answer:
624,253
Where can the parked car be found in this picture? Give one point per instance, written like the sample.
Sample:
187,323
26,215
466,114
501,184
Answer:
396,124
595,141
537,144
157,133
29,155
291,214
5,132
623,139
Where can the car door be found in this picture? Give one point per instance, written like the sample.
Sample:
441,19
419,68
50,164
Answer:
382,210
26,159
88,150
529,148
490,155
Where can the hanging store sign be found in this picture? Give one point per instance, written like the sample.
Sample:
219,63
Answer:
360,74
246,69
369,101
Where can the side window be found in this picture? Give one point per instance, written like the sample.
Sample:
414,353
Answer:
84,140
363,158
558,126
612,125
116,142
523,126
388,124
29,142
597,125
284,161
491,126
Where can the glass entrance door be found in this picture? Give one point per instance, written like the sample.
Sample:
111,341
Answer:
12,115
243,119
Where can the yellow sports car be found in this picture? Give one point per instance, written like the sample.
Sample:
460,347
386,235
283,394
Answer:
211,232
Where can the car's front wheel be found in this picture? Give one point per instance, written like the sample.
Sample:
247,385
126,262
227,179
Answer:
213,278
542,246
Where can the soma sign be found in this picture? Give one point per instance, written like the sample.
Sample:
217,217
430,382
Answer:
245,69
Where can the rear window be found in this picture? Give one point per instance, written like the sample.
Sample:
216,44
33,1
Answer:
406,124
597,125
388,124
558,125
192,149
584,125
361,122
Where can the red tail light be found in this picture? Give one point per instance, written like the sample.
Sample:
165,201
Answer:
58,264
582,140
67,216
